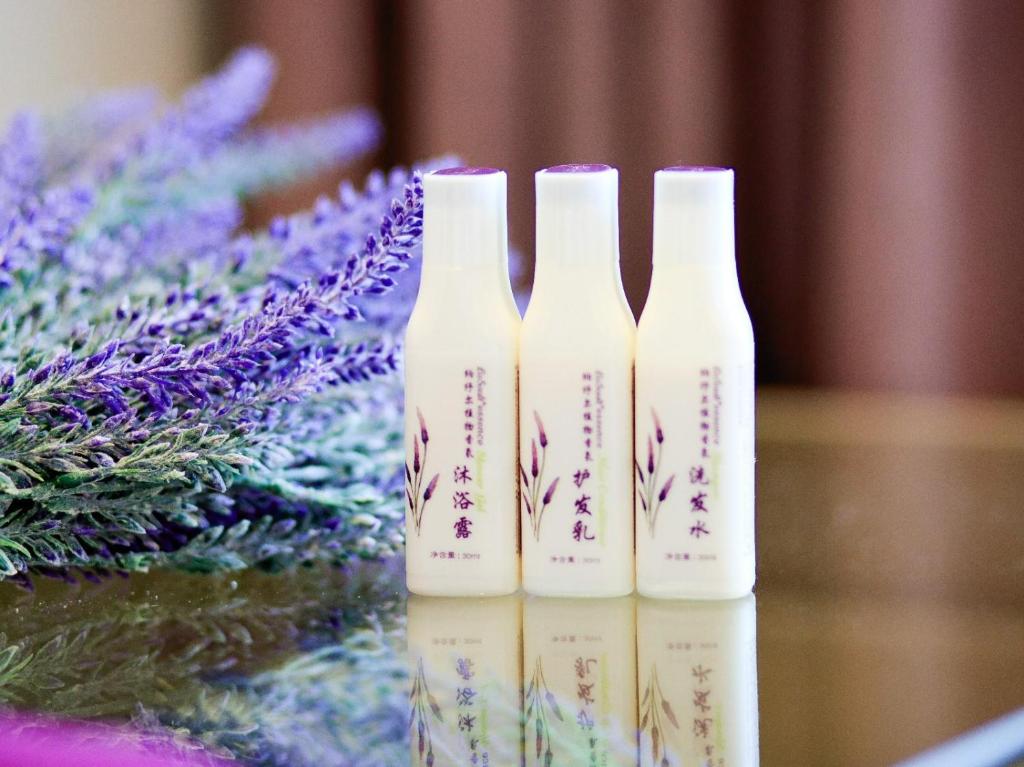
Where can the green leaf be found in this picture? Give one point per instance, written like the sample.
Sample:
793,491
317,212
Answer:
12,544
23,469
185,519
131,525
7,567
6,483
6,656
72,479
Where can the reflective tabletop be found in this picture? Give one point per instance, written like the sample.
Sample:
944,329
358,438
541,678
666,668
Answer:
888,618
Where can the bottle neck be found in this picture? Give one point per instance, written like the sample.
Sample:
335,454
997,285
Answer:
700,234
449,281
465,255
694,239
694,255
692,283
578,251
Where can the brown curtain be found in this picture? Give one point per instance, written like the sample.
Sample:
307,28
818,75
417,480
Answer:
879,148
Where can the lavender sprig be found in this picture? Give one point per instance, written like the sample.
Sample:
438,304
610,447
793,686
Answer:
231,283
223,376
174,392
20,161
74,137
33,222
209,115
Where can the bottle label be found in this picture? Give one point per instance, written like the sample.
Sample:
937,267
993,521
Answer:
575,457
698,479
694,468
585,484
445,486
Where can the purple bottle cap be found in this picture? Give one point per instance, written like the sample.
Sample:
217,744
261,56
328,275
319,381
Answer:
465,171
578,168
695,169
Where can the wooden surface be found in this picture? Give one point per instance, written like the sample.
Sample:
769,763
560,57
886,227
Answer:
890,573
890,594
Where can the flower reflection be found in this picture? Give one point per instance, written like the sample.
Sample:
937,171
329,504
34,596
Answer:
319,668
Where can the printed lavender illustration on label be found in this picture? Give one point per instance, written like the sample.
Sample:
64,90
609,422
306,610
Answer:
537,504
416,495
652,496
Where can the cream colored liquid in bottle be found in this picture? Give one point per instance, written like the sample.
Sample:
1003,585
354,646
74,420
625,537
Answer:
694,399
460,394
576,388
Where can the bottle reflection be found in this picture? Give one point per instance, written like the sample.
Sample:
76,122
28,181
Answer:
464,663
549,682
697,664
579,673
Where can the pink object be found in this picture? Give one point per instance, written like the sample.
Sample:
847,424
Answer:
39,742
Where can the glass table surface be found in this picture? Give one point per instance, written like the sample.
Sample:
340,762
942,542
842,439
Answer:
888,618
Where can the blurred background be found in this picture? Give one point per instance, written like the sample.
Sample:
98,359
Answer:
879,147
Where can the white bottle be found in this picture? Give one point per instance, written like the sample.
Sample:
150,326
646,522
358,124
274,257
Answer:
465,680
579,682
694,399
575,387
460,394
697,675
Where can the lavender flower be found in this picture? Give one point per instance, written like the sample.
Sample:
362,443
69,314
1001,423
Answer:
32,222
82,131
278,156
20,161
210,114
172,391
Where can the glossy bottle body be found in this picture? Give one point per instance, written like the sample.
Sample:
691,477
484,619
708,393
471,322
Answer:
460,419
579,678
695,415
576,370
697,682
464,658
